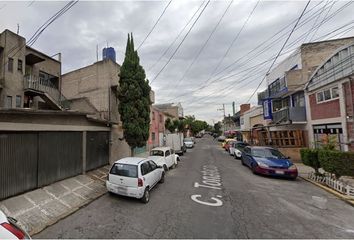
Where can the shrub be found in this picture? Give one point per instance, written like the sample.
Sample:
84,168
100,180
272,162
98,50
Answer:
310,158
337,162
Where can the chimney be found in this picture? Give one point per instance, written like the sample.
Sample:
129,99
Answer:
244,108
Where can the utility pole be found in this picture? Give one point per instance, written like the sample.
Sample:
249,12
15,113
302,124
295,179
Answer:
223,109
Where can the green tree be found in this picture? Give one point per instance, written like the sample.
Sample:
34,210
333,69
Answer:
134,98
169,125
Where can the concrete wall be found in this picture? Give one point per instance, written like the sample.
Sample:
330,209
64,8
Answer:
293,153
118,146
323,110
97,82
14,47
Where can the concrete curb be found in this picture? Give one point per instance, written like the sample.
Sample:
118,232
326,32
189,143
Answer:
344,198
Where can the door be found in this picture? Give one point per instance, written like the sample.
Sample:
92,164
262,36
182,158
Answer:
154,171
147,174
97,150
168,158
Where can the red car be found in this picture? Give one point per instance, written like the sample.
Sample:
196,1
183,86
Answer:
228,144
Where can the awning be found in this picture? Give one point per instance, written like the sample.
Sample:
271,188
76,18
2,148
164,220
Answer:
32,59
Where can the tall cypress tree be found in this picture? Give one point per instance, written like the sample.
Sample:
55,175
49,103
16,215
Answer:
134,98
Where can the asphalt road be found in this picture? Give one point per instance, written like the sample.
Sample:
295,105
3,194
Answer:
248,206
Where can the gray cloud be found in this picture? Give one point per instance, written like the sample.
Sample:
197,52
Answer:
88,24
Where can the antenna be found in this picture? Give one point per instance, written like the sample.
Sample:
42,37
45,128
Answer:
18,28
97,52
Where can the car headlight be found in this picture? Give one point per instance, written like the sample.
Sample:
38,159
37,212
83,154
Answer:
292,167
262,164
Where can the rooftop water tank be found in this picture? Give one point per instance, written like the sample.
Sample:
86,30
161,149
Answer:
109,53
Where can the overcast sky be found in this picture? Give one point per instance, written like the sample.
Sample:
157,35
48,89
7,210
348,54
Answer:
90,23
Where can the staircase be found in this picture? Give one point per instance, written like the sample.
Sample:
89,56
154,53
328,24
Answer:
47,91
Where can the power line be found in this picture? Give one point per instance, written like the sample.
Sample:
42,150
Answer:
286,41
268,46
255,54
152,29
314,34
185,36
179,34
204,45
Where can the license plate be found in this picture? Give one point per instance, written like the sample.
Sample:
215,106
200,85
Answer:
279,172
121,190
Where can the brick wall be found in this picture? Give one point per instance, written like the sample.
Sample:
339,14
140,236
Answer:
330,109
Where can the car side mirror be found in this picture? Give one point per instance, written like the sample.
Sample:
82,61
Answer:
159,166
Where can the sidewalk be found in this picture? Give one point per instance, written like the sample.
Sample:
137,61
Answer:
303,170
45,206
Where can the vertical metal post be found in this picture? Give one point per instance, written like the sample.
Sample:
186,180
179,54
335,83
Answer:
84,134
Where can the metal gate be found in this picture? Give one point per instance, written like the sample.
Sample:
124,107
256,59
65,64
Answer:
18,163
29,160
60,156
97,150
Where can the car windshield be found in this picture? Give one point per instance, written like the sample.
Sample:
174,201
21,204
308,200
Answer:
156,153
187,140
267,153
241,145
125,170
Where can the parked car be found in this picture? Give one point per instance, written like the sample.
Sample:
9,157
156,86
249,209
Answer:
9,228
193,139
236,149
199,135
134,177
221,138
268,161
226,142
188,142
164,157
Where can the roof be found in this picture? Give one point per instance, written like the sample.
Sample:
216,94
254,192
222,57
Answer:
130,160
162,148
40,112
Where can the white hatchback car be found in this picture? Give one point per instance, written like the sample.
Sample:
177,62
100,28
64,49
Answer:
10,230
134,177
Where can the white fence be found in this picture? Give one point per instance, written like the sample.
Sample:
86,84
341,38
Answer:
333,183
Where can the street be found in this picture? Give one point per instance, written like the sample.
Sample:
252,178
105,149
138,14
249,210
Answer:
230,203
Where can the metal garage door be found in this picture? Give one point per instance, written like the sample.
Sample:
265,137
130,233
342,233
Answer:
97,150
60,156
18,163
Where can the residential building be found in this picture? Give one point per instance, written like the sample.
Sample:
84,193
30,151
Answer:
252,125
28,78
173,109
93,89
329,100
157,128
283,101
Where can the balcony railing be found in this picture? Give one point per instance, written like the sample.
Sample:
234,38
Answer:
290,114
45,86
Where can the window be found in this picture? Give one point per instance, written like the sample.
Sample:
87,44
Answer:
19,65
153,136
335,92
10,65
153,166
167,153
247,150
161,118
153,116
9,102
320,97
145,168
328,94
156,153
18,101
299,100
125,170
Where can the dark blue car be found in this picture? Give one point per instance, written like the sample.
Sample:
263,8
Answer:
268,161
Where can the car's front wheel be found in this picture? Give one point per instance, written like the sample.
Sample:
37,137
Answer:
146,196
165,168
162,179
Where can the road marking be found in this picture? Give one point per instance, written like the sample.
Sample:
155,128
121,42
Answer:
212,180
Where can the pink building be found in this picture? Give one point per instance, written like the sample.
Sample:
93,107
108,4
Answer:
157,128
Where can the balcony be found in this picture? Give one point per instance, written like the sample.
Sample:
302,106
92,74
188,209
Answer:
36,86
263,95
290,115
